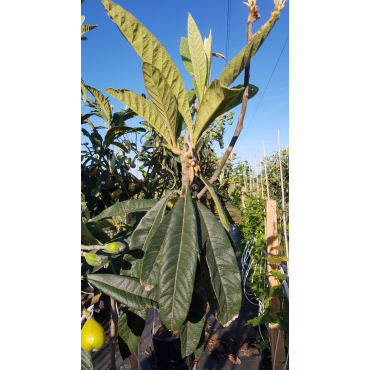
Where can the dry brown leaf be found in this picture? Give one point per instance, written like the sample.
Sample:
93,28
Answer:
191,174
234,359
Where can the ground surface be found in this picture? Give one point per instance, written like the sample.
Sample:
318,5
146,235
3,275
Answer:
230,348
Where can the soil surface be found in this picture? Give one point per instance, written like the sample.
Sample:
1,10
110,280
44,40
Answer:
231,348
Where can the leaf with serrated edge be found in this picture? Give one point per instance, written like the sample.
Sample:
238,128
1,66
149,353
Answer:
124,289
142,108
220,208
142,236
198,56
127,206
86,360
223,268
238,63
130,328
150,261
103,103
178,264
150,50
162,97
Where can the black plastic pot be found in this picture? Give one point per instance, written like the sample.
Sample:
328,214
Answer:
167,352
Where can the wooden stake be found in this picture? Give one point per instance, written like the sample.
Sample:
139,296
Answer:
245,179
264,161
113,317
276,335
259,156
255,170
283,205
133,360
250,179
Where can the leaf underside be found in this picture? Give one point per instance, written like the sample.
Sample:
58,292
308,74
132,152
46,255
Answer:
239,62
142,108
151,51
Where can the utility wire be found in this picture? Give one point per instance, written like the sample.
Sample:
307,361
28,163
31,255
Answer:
228,30
264,91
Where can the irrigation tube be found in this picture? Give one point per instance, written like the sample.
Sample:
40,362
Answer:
91,310
287,357
277,341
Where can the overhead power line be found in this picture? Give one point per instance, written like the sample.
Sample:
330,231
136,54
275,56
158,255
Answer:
264,91
228,15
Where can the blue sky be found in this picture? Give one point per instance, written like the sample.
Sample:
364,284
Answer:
108,60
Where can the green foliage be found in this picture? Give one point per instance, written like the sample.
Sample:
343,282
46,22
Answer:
130,328
177,266
152,52
176,253
221,262
198,57
86,360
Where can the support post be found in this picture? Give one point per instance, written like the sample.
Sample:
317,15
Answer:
276,335
133,360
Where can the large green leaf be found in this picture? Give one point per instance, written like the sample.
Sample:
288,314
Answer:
220,209
142,236
97,232
143,108
238,64
178,264
150,261
130,328
232,212
86,360
162,97
103,103
217,100
115,132
198,56
150,50
192,329
124,289
185,55
222,265
208,51
127,206
86,237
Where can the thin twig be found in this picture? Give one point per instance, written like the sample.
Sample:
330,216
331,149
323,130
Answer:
253,16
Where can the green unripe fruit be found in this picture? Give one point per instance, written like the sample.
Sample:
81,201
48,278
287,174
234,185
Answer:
92,335
92,259
113,247
131,187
